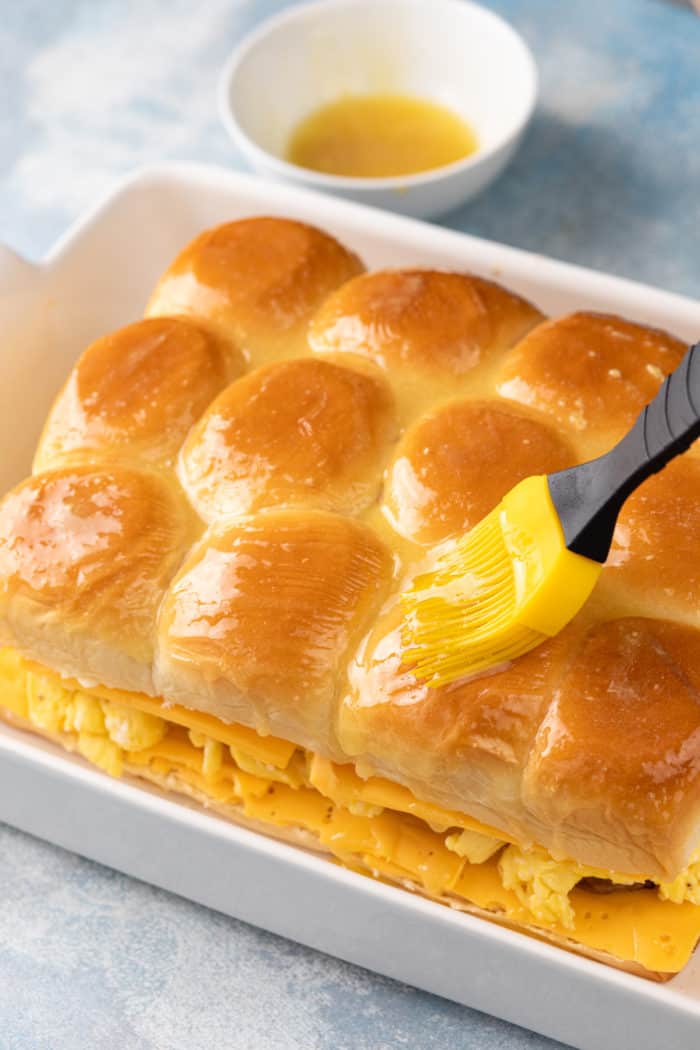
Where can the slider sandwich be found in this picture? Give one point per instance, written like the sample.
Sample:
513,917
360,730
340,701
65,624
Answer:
200,586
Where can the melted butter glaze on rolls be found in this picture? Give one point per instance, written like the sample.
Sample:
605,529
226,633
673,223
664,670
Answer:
426,327
654,555
617,756
304,431
85,557
593,373
140,388
456,463
588,745
260,623
479,731
255,283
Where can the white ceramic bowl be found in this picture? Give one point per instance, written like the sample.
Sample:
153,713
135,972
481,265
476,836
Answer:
449,51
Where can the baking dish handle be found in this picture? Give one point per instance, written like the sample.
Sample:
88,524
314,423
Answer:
14,270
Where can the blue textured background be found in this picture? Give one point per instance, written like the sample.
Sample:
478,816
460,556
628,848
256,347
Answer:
609,176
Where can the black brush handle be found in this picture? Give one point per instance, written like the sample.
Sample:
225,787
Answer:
588,498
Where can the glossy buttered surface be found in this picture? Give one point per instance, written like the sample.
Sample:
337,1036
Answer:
456,463
300,432
427,329
142,387
276,605
590,374
256,283
86,552
241,483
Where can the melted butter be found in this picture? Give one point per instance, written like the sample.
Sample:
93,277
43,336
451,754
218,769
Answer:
375,136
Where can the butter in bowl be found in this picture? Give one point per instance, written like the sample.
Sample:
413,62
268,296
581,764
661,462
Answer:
400,104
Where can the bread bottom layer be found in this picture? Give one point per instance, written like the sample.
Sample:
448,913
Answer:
371,826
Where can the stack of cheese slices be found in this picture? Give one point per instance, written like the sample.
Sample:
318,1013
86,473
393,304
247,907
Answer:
199,586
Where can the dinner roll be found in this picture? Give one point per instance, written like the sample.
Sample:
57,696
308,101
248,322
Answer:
86,554
592,373
456,463
479,731
304,431
261,621
654,556
136,391
428,328
617,756
589,745
255,283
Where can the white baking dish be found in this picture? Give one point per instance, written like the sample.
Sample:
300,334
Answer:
98,277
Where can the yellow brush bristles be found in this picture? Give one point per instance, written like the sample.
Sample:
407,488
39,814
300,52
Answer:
496,592
459,618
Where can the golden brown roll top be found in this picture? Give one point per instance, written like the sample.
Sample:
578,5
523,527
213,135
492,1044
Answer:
255,283
616,762
305,432
138,390
654,565
85,557
589,745
429,329
455,464
591,373
264,616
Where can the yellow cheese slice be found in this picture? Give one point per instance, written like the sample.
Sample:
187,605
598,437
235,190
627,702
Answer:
289,807
344,786
174,748
249,786
629,924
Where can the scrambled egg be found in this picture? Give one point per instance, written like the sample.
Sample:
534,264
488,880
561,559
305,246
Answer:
104,729
132,730
686,885
294,775
543,884
108,734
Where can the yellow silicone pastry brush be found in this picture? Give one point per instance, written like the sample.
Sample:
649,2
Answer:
521,574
